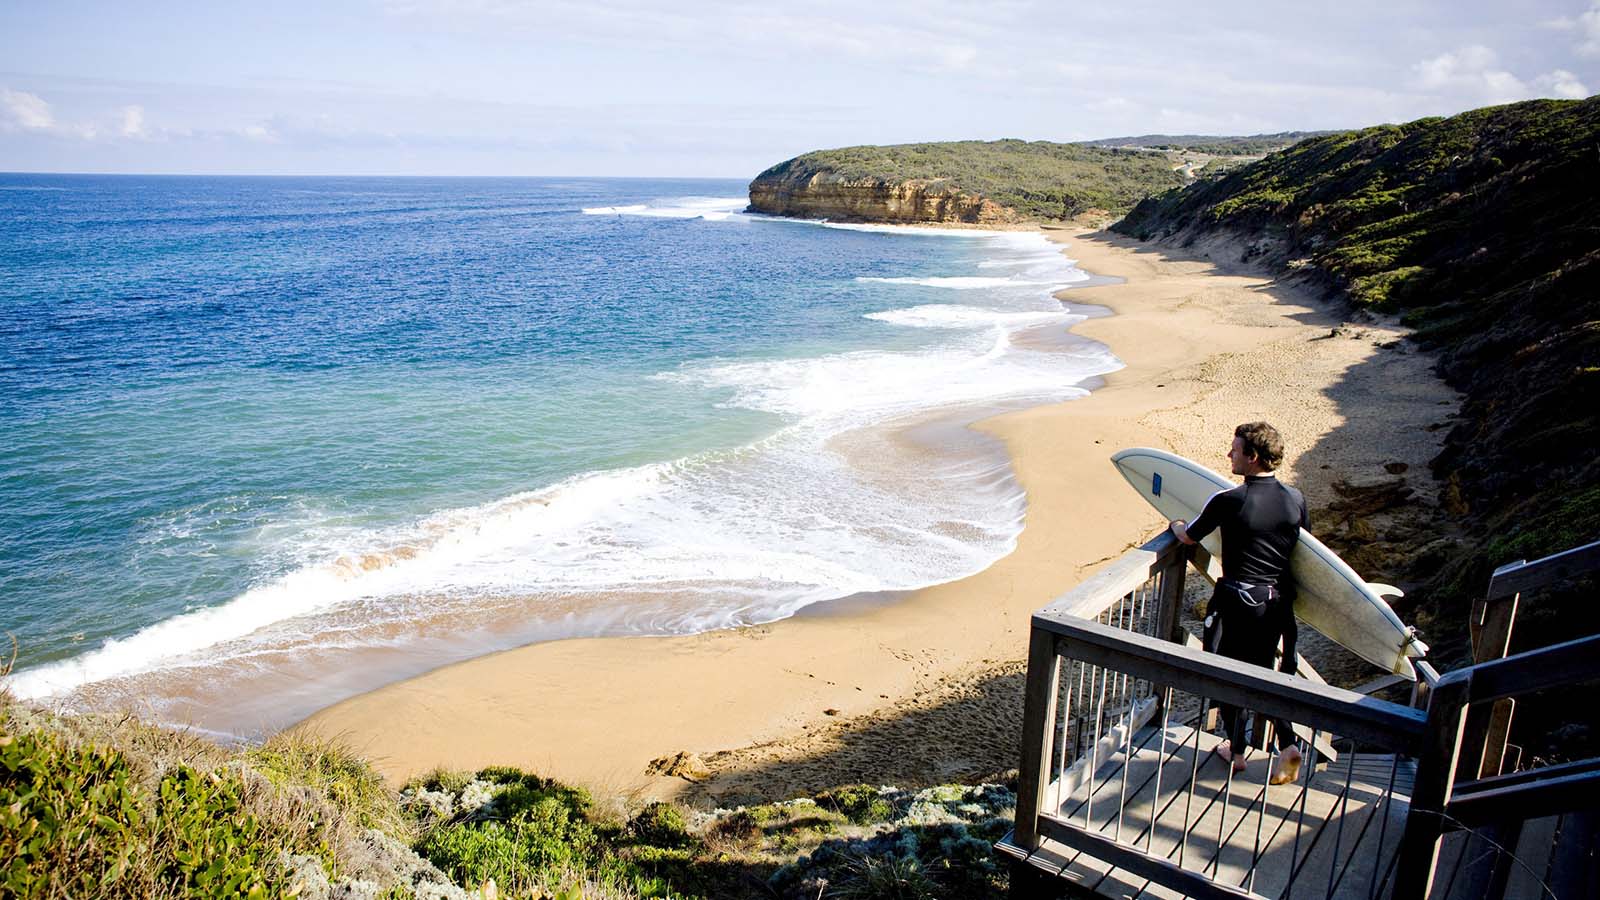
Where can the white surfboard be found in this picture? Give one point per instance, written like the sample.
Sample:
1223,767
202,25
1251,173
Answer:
1332,598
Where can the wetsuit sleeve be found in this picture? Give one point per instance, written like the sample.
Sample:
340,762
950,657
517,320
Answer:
1221,504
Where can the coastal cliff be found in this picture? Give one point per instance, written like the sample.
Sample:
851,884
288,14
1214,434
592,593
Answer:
826,195
1480,231
965,182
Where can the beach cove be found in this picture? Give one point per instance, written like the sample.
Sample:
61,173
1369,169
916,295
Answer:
927,688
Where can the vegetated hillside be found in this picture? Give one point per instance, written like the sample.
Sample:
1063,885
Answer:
1213,144
1483,231
960,181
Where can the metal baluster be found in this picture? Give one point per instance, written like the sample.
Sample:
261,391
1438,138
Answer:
1383,825
1099,720
1077,730
1066,723
1127,764
1194,775
1308,772
1161,763
1222,818
1344,807
1261,815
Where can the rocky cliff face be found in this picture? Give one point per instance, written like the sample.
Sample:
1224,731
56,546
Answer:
824,195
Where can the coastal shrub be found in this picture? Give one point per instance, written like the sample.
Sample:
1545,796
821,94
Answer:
524,852
333,771
76,821
861,804
1385,289
660,825
70,819
448,781
885,878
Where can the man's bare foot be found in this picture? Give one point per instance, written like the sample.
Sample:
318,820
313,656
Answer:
1286,769
1225,753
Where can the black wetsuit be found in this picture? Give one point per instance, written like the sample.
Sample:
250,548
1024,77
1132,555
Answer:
1254,603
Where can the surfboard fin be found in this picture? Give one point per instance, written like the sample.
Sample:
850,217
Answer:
1386,591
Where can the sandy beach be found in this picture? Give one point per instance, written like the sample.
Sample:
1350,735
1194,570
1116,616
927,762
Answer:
928,688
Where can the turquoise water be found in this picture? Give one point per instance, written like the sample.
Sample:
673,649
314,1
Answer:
359,427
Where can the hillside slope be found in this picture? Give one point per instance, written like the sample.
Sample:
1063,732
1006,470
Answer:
1214,144
974,182
1481,231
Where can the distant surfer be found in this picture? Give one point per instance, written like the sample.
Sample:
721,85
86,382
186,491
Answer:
1253,606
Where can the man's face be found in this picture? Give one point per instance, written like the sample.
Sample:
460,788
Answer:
1236,455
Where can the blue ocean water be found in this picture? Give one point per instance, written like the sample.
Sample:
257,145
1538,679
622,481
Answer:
351,428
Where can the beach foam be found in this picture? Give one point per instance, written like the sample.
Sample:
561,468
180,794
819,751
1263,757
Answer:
939,315
711,540
713,209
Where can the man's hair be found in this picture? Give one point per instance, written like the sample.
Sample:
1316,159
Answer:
1263,442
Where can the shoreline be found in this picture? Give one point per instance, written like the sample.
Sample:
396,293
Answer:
914,688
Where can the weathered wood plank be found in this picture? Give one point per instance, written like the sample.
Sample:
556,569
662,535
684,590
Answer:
1436,765
1558,567
1323,707
1484,743
1112,742
1038,725
1571,663
1097,593
1466,788
1162,872
1304,733
1575,859
1527,874
1568,793
1233,807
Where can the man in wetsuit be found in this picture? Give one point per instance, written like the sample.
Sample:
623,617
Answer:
1253,603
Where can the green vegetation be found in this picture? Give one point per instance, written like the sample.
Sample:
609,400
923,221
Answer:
1038,179
113,808
1212,144
1481,231
119,809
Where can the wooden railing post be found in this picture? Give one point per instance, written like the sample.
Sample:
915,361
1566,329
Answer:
1038,731
1484,743
1418,855
1169,623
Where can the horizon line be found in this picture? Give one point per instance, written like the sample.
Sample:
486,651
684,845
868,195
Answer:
6,172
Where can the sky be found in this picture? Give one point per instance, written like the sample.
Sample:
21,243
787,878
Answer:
713,88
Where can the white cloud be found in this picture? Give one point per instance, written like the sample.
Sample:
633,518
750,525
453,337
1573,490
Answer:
1587,26
1472,71
263,133
26,110
1561,83
133,122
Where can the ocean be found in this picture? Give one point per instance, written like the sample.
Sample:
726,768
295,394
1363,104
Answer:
269,442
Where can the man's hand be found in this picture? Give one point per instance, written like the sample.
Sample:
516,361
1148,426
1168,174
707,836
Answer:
1180,533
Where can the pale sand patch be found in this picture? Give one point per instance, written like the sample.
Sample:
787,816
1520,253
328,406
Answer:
926,689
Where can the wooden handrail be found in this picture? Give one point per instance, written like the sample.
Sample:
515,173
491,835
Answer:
1095,594
1573,662
1532,800
1327,708
1522,577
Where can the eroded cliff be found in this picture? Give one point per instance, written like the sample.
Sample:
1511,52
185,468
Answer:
827,196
